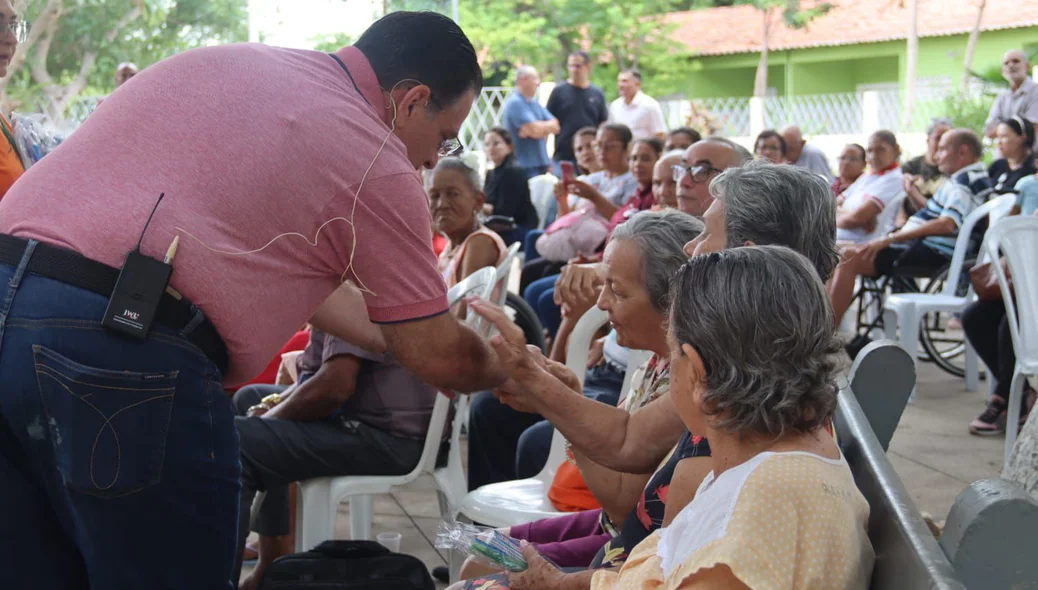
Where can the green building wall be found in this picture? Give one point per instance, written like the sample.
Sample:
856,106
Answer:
828,70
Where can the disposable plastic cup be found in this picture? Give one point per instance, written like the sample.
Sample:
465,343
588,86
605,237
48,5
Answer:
390,540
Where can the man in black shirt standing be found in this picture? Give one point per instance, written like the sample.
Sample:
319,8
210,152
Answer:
576,103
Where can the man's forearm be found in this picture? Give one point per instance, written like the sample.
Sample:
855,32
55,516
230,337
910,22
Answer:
917,198
305,402
445,353
942,226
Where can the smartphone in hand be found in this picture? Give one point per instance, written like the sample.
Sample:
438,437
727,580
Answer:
567,173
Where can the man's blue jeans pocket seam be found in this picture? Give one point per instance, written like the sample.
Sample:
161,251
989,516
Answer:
87,407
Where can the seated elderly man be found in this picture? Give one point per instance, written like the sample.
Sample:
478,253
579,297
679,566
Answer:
350,413
927,240
802,154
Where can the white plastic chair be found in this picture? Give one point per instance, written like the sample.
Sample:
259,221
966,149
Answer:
318,499
504,272
520,501
1017,238
906,310
542,193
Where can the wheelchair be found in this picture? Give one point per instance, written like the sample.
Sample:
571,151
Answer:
943,343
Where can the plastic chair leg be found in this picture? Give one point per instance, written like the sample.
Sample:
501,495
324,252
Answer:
908,323
361,507
315,515
1013,414
972,368
890,324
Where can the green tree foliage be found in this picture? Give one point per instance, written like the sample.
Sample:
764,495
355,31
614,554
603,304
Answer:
794,16
75,45
541,33
617,35
332,42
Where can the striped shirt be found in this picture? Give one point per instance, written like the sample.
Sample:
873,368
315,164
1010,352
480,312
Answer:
966,190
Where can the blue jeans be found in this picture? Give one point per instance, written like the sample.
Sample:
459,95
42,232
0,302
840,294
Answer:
540,294
118,458
530,244
516,235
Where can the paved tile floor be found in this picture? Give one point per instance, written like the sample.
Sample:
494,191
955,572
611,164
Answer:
932,452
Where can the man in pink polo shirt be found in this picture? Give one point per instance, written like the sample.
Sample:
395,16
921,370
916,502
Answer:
118,456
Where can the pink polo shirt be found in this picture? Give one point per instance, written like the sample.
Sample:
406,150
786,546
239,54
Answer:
247,142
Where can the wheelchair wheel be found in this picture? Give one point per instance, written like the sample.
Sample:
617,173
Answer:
940,333
526,318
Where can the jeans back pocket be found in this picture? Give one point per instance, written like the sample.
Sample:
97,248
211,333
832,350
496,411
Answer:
108,428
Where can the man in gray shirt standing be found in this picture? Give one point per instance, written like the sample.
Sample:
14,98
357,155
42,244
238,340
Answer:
799,153
1020,99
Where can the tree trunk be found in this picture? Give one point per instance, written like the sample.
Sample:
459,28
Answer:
910,67
60,95
971,47
760,84
1023,461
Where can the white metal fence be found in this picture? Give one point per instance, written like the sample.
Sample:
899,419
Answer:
852,113
820,114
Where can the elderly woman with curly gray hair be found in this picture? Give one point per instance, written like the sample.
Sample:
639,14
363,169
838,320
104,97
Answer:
756,373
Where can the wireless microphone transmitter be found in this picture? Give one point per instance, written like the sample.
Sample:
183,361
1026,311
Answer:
142,281
138,291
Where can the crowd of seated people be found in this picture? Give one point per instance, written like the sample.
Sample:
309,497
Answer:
649,470
927,240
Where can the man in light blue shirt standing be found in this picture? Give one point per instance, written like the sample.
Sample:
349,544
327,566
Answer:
529,123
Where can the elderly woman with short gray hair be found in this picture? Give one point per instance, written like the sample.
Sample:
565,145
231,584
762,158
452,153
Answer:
780,508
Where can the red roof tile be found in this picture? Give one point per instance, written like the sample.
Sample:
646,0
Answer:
737,29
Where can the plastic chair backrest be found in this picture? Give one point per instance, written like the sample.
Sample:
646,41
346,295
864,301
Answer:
579,345
996,206
1017,238
577,349
542,192
504,272
479,282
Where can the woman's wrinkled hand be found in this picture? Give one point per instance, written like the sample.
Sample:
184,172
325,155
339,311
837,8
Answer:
539,575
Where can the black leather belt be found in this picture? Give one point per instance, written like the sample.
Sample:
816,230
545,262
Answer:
76,270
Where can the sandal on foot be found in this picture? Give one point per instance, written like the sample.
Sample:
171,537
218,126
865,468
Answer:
992,421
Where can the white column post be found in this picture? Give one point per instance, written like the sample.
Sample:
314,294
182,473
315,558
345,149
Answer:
757,123
870,112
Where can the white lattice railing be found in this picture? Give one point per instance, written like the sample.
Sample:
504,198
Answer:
485,113
724,116
817,113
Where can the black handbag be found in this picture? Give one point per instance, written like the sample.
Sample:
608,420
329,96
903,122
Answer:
341,565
